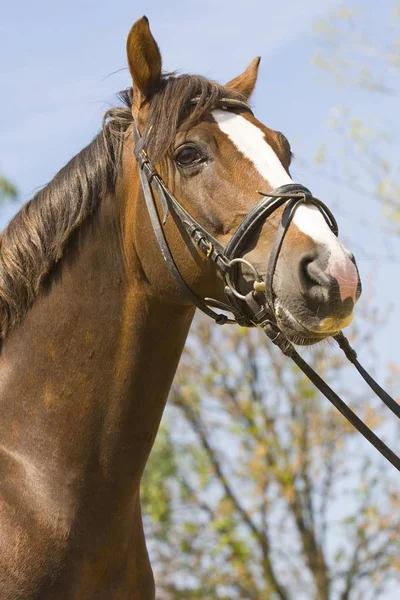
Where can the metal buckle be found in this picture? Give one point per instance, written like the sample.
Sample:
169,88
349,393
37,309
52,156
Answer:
210,248
143,159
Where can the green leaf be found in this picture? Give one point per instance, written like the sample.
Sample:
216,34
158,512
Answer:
8,191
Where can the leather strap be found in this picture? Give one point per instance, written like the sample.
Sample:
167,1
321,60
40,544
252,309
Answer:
276,337
147,174
351,355
293,198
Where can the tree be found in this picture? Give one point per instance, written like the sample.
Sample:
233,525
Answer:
8,191
258,489
360,48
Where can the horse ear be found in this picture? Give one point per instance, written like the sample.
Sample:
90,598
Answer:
144,58
246,82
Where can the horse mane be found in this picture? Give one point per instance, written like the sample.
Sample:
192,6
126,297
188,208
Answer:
36,238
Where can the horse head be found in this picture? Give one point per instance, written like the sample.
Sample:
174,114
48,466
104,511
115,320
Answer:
209,151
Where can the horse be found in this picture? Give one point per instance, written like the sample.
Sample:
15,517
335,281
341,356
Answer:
93,324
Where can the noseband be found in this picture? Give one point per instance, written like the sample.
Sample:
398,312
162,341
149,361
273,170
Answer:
257,307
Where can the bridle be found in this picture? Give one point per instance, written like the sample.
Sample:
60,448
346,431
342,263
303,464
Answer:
256,308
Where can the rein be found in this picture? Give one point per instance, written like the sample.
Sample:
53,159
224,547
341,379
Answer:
256,308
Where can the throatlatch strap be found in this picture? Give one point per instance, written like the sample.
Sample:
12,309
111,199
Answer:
167,256
220,319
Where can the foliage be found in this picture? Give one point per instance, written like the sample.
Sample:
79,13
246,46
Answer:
360,48
272,494
257,496
8,191
357,49
373,171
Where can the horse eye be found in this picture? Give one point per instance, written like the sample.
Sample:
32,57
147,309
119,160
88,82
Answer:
188,156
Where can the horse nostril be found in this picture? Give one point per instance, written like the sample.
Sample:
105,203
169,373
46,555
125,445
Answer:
328,282
316,284
311,272
304,264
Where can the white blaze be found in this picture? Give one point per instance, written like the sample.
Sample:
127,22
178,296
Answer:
250,141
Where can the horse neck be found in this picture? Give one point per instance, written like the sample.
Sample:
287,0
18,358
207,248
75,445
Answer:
85,377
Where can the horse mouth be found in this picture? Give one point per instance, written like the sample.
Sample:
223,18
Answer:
302,334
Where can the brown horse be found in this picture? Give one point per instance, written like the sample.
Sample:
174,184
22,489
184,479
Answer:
93,325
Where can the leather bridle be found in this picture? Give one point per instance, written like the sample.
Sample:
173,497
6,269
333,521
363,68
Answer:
255,308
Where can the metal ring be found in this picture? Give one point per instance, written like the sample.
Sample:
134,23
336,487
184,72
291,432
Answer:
228,281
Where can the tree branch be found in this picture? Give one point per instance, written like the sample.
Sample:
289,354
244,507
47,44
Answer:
261,537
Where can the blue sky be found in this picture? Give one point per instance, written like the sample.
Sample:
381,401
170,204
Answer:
56,77
61,66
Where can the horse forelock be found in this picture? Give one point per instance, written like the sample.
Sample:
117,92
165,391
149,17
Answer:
170,109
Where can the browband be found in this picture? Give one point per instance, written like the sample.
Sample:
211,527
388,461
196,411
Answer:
226,103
